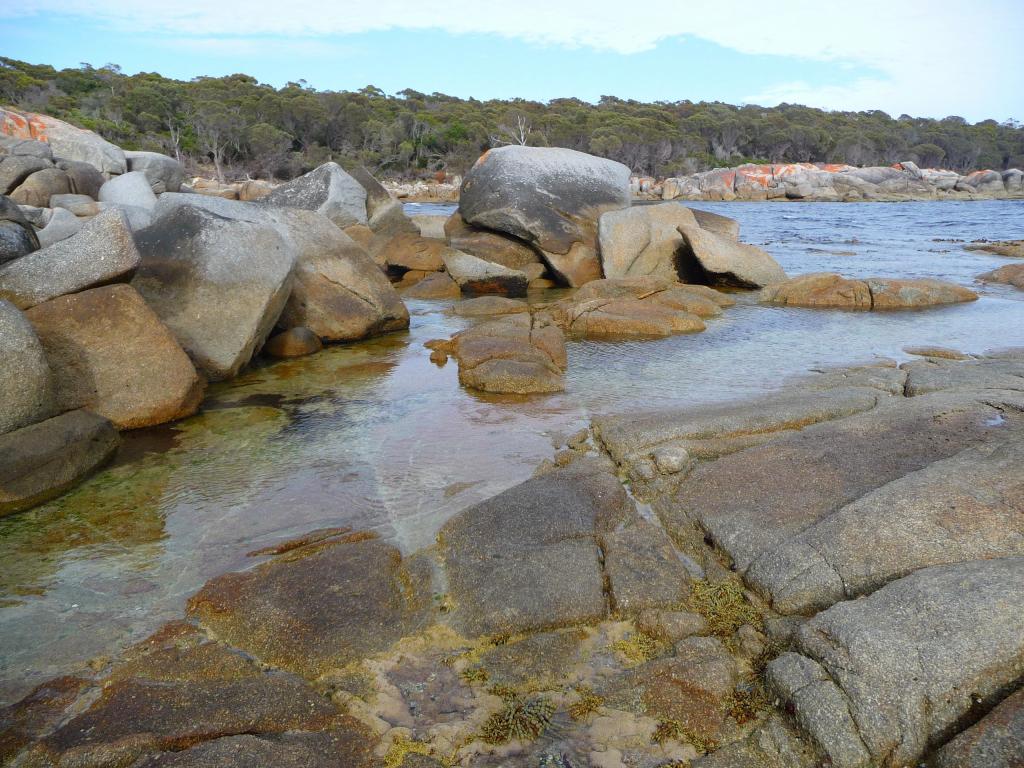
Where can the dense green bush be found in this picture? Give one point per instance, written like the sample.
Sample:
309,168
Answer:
240,126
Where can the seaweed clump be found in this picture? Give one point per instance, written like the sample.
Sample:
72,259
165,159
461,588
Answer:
587,704
638,647
518,720
673,730
724,605
402,746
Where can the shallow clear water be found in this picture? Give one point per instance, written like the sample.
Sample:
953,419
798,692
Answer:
374,436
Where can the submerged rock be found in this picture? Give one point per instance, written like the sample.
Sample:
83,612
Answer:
1009,248
43,460
516,354
110,353
437,285
551,198
318,607
295,342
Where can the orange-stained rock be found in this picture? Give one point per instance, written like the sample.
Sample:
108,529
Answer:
827,289
110,353
1011,274
436,285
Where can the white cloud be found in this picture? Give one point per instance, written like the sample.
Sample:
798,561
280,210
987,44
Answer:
926,51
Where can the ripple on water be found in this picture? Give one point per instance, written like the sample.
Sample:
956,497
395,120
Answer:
374,436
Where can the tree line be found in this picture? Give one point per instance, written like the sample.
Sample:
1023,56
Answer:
237,126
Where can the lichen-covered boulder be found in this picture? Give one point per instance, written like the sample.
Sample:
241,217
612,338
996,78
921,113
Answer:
26,384
327,190
65,140
110,353
103,251
551,198
219,284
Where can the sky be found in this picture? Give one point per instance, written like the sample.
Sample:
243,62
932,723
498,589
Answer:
928,58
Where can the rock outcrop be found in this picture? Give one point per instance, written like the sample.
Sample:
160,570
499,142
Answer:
327,190
550,198
515,354
66,141
164,174
707,258
1011,274
827,289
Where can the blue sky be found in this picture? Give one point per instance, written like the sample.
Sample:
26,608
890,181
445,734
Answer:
925,58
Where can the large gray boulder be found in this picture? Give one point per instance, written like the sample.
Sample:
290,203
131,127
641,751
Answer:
339,292
218,284
12,146
26,386
966,507
327,190
102,252
643,240
712,259
129,189
17,236
880,681
549,197
41,461
73,143
164,174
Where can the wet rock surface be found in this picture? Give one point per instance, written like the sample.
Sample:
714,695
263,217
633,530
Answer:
827,289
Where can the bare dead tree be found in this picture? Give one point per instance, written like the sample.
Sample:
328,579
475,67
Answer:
514,134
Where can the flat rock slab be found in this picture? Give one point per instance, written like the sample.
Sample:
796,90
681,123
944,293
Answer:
935,375
751,502
338,747
827,289
103,251
41,461
110,353
26,382
720,225
437,285
218,284
996,741
514,354
967,507
528,559
882,680
490,306
643,570
318,607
